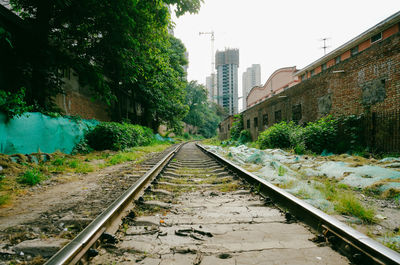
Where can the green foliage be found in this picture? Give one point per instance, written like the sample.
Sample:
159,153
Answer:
82,147
277,136
331,134
237,127
117,136
321,135
121,50
202,114
350,134
13,104
31,177
244,137
348,204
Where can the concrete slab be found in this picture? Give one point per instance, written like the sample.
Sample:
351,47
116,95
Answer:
213,227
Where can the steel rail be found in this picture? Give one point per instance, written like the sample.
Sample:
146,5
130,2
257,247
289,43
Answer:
76,249
347,240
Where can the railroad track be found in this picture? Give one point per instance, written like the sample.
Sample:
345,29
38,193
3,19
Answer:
195,207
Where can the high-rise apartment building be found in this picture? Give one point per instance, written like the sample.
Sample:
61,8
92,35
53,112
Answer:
211,85
227,64
250,79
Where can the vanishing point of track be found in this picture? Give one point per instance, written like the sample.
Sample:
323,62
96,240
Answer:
195,207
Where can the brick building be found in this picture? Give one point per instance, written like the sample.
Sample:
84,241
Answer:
361,76
279,81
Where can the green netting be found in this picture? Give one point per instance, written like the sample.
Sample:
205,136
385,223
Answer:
33,132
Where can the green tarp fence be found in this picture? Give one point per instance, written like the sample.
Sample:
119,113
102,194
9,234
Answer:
34,132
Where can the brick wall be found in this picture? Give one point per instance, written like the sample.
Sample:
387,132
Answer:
224,128
76,103
366,82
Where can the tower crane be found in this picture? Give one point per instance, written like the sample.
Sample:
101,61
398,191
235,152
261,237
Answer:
211,33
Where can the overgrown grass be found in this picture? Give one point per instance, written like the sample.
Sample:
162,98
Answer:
31,177
4,199
212,141
345,202
16,177
348,204
80,167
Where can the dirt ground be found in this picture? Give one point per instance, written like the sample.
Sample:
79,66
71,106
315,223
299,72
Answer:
50,214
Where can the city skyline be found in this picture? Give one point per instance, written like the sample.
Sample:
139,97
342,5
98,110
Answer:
287,35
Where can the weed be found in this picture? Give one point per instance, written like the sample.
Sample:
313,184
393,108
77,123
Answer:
84,168
303,194
329,191
73,163
348,204
122,157
281,171
232,186
286,185
2,177
4,199
343,186
31,177
391,193
59,161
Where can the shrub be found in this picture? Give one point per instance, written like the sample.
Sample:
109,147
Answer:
237,127
277,136
31,177
350,134
82,147
186,136
117,136
321,135
244,137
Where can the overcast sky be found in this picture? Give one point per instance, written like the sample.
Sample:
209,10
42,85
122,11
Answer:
275,33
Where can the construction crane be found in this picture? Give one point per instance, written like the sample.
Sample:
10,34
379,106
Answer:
211,33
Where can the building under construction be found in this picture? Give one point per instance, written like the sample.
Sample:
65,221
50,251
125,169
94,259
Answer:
227,64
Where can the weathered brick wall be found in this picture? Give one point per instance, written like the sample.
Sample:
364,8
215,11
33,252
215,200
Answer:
366,82
76,103
224,128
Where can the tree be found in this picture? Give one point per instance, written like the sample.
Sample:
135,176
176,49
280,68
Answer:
202,114
121,49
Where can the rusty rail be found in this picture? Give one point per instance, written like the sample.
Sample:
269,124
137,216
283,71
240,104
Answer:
75,250
358,247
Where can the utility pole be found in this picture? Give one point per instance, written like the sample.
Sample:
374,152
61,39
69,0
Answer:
211,33
325,46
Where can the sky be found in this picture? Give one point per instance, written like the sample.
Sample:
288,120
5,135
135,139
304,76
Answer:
274,33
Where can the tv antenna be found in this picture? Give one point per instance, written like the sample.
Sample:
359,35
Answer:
325,46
